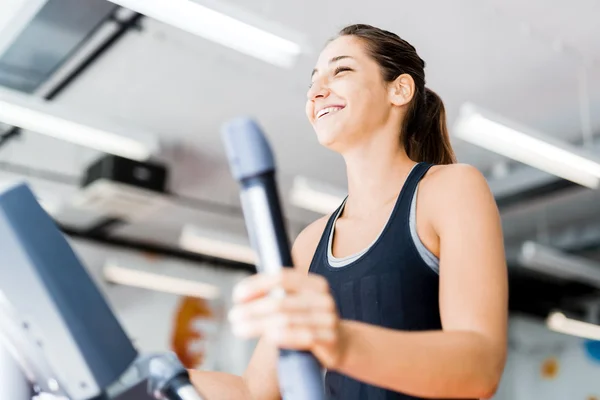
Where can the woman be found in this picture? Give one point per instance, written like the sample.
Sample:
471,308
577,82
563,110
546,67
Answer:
405,295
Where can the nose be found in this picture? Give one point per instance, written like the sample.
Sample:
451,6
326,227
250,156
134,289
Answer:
317,90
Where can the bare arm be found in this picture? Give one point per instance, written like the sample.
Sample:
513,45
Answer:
259,382
466,358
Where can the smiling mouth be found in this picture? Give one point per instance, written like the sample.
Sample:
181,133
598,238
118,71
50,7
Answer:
328,111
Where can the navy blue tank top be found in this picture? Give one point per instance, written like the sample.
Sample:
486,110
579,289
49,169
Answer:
390,285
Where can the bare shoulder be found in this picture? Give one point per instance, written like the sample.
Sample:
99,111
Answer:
447,181
452,194
306,243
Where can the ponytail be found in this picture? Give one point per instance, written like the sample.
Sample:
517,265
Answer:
425,134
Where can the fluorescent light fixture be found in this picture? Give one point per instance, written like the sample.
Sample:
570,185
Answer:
547,260
559,322
217,244
151,280
14,17
315,196
227,25
37,115
523,144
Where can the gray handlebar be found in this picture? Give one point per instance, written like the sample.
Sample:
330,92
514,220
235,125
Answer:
252,164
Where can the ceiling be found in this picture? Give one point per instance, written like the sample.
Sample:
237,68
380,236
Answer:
523,61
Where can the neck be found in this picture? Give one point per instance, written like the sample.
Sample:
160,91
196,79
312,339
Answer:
376,172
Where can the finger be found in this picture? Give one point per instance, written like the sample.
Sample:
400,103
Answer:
288,279
271,323
255,286
264,307
289,327
305,302
292,338
300,338
324,321
248,330
322,325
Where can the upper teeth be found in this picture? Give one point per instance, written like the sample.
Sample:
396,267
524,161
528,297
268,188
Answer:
328,110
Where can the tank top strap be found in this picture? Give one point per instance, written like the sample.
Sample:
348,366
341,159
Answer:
409,188
321,250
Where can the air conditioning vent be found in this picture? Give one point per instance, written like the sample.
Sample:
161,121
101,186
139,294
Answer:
120,188
118,200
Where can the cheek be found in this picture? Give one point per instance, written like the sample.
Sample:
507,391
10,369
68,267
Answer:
361,94
310,110
373,101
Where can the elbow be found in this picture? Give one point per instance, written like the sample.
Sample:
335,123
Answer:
485,390
488,380
479,387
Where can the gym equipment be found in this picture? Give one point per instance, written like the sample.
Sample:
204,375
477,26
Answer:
252,165
55,322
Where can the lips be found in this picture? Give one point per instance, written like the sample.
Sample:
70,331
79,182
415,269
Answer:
328,110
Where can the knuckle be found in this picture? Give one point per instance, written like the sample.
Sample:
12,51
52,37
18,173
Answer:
324,285
330,320
329,304
320,284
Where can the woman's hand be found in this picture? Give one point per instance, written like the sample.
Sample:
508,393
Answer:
305,318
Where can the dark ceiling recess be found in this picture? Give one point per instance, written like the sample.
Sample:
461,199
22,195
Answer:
537,295
157,249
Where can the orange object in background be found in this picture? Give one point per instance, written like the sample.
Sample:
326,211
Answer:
185,335
549,368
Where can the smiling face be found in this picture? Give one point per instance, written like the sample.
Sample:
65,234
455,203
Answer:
348,99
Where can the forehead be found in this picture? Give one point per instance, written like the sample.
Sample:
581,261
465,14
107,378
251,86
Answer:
341,46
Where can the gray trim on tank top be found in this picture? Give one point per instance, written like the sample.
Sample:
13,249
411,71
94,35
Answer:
428,257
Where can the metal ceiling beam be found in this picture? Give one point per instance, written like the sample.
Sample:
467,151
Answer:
576,239
525,184
573,239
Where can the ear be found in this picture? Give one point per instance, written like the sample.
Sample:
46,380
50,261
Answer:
402,90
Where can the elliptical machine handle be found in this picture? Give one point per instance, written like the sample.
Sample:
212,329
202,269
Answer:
252,165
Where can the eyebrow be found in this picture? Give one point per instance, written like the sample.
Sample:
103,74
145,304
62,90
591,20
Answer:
334,59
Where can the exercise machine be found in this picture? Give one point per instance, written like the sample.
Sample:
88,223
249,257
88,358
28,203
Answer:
62,336
252,164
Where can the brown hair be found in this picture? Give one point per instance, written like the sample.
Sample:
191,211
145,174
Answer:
424,132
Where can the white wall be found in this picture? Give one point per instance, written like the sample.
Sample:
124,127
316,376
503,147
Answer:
147,315
531,344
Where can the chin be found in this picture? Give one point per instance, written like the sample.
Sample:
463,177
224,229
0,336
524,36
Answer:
335,133
332,140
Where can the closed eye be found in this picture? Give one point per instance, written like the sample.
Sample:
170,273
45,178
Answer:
338,70
341,69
